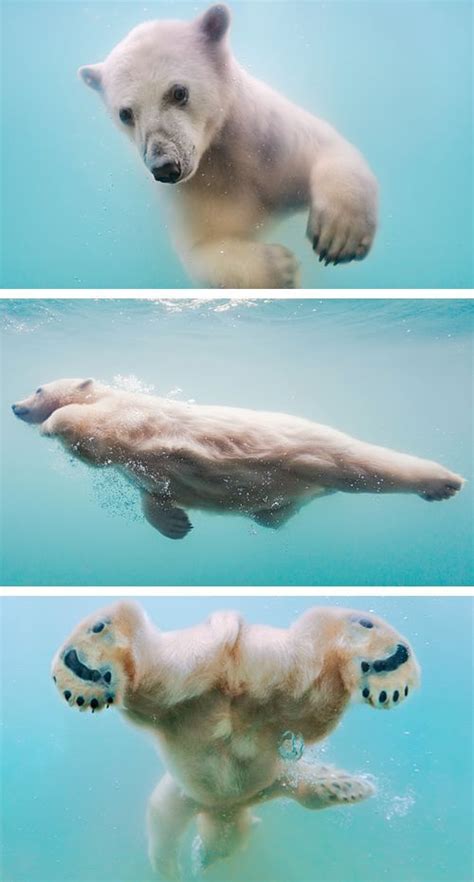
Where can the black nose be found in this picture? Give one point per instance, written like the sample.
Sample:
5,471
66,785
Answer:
18,410
167,172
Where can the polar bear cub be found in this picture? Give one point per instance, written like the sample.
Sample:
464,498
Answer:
241,154
232,706
181,456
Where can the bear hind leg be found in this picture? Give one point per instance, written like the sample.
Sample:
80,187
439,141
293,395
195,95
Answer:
169,813
317,786
220,835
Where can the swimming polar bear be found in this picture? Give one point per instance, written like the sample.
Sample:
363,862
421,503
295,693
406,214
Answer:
232,706
223,459
240,152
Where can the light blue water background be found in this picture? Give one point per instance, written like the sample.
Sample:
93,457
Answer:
395,77
75,786
396,373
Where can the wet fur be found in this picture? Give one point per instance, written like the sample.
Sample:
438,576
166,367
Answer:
223,459
248,155
218,698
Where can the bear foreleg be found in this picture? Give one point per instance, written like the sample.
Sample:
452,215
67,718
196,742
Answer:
242,263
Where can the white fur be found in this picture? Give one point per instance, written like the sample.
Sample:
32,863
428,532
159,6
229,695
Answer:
223,459
247,154
220,697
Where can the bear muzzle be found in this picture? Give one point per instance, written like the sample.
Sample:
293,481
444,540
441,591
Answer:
166,171
20,411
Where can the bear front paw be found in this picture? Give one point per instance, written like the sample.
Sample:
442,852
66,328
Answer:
378,666
90,669
343,216
437,488
387,681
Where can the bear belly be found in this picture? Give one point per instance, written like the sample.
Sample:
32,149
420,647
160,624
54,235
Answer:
239,486
221,750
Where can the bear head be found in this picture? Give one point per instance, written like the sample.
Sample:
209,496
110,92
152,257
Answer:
48,398
168,86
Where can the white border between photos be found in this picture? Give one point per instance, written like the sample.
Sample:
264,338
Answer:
228,591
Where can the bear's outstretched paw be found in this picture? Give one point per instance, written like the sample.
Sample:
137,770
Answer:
283,269
437,489
342,221
386,682
86,672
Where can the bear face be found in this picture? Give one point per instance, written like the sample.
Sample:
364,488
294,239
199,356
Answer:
167,85
48,398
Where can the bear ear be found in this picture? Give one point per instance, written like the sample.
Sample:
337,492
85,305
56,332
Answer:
91,74
215,23
85,383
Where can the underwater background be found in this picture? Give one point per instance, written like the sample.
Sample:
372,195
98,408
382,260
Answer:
394,76
75,786
393,372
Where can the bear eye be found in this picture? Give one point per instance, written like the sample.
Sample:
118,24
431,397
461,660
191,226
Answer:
39,390
180,95
366,623
126,116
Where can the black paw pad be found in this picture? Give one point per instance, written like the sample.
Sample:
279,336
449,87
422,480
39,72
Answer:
383,697
67,695
399,657
80,701
94,704
366,692
109,699
107,676
71,660
396,695
406,691
365,667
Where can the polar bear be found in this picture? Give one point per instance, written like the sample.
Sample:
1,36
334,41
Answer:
222,459
232,706
240,152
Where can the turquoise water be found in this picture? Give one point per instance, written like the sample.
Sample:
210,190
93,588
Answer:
75,786
79,209
397,373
